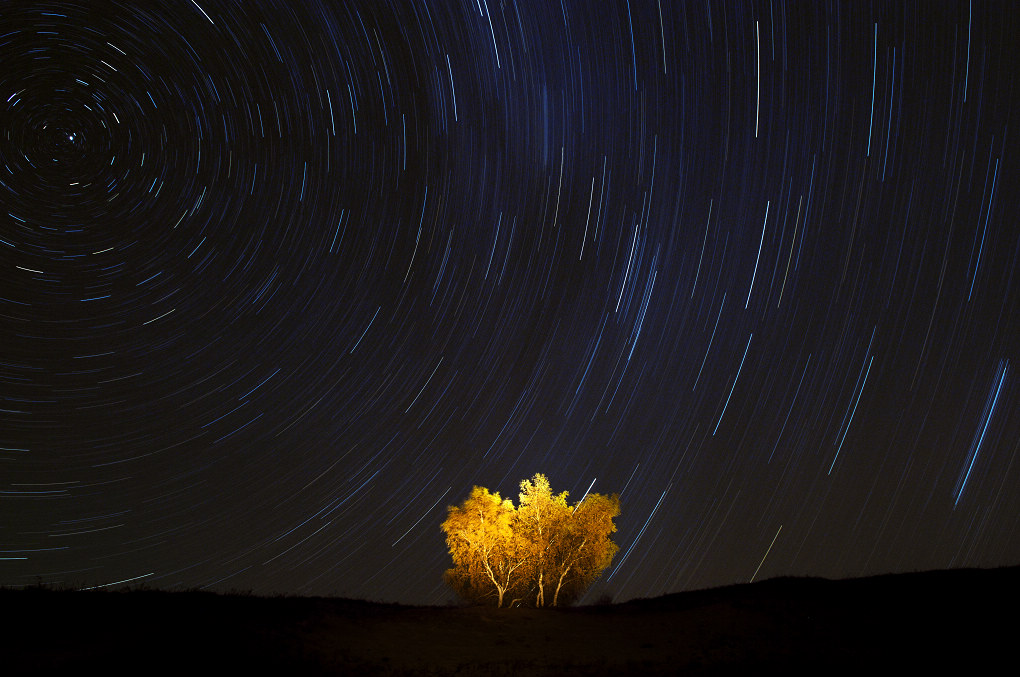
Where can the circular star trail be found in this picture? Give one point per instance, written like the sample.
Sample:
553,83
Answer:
280,281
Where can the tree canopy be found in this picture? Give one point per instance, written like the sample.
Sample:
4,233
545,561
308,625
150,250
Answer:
544,551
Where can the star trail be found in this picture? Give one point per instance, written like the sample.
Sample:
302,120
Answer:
279,281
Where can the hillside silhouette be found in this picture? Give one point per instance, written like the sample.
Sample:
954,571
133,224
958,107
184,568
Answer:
911,622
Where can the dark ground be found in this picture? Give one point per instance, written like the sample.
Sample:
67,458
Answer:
906,623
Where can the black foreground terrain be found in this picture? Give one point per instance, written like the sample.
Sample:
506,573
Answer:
905,623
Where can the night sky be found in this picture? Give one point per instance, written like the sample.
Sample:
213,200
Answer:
280,281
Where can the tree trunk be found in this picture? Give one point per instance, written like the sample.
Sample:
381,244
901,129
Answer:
492,577
540,599
559,584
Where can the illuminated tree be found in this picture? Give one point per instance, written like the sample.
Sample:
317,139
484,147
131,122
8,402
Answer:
544,545
584,548
542,524
488,559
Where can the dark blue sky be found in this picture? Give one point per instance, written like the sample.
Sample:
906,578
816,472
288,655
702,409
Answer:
281,281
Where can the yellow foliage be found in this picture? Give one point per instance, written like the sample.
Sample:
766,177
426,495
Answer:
543,545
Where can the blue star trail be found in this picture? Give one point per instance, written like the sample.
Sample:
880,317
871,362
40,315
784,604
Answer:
279,281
